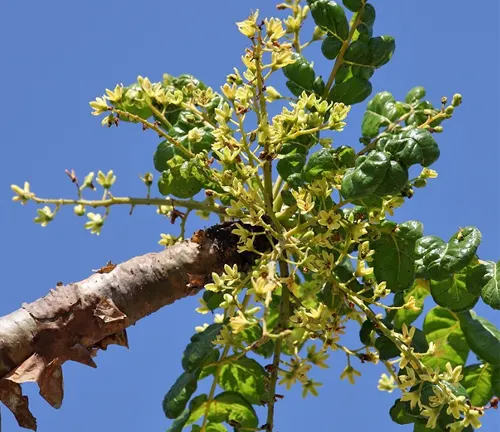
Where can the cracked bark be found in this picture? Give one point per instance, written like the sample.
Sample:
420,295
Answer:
74,321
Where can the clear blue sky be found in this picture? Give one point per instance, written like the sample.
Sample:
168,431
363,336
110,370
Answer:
59,55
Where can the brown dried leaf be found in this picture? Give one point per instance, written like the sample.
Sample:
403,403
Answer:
12,397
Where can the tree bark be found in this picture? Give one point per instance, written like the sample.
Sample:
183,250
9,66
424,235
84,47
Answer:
74,321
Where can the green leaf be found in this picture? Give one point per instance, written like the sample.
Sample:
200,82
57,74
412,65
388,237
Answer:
370,54
213,299
460,292
369,15
490,292
381,49
374,175
327,161
410,147
351,91
394,260
353,5
439,260
134,103
197,408
415,94
300,75
182,181
382,110
419,291
201,350
247,377
482,336
358,53
210,427
289,164
319,86
421,427
496,380
402,414
215,427
478,383
331,47
387,350
324,160
178,424
366,332
165,152
330,17
443,328
178,396
228,407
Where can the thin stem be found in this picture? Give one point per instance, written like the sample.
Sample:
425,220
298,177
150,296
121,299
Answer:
154,127
159,114
296,33
282,324
189,204
343,49
213,388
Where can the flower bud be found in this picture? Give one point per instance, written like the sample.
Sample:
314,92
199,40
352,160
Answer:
318,34
457,99
79,210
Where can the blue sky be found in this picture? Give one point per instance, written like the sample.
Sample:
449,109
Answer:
57,56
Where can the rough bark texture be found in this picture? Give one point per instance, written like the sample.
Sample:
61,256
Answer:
74,321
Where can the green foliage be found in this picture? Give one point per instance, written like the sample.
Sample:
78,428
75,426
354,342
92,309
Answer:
300,75
393,260
482,336
247,377
374,175
478,382
340,255
443,328
438,260
490,292
419,291
229,407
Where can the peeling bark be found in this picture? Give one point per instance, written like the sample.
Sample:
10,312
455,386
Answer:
74,321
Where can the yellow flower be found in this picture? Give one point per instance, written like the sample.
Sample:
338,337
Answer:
274,29
428,173
412,397
45,215
456,406
239,323
116,94
106,180
453,374
349,373
329,219
407,335
249,26
95,223
22,195
432,415
310,387
386,383
99,105
317,358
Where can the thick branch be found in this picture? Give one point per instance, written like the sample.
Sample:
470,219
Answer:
74,321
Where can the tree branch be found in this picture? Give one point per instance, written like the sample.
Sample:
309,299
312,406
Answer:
74,321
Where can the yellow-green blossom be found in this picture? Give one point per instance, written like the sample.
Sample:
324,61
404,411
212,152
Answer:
45,215
350,373
387,383
95,223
